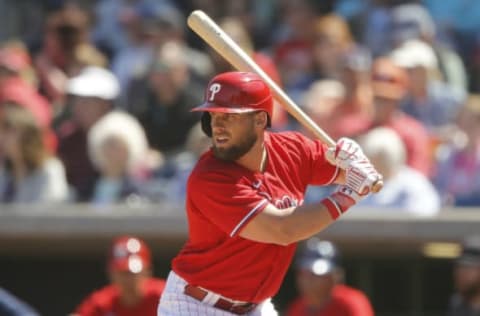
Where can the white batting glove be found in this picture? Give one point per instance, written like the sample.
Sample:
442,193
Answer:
344,153
360,173
361,176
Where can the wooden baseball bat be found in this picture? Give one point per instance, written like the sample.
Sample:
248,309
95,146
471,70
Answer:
223,44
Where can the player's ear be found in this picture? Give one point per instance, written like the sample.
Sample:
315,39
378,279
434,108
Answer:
261,119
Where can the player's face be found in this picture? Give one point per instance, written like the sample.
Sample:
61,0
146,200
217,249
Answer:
315,288
129,284
233,135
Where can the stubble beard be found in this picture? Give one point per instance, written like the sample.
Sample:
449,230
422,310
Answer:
235,152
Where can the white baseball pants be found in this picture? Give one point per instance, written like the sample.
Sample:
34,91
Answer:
175,303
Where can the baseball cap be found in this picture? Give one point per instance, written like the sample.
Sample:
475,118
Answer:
415,53
388,80
94,81
320,257
470,251
130,254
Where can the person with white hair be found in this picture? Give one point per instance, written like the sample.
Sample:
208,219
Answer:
92,94
412,21
117,147
405,189
431,101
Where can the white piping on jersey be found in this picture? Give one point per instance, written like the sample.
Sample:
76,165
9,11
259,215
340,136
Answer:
265,194
334,176
250,214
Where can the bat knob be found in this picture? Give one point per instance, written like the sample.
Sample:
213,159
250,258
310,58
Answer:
377,186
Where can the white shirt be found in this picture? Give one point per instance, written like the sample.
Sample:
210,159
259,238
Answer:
409,191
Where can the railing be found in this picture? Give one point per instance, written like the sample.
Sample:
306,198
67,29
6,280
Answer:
63,248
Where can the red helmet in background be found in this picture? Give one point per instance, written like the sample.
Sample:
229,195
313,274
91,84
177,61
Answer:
235,92
129,253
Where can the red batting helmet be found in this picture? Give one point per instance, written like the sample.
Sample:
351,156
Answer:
235,92
129,253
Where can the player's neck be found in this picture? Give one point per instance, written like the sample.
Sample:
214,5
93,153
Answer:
256,159
131,299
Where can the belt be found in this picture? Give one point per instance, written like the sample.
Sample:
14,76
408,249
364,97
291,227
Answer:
226,305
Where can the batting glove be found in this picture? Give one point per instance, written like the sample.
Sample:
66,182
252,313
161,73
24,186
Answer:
360,173
361,176
344,153
341,200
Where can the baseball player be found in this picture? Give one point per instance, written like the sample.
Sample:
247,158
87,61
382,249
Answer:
133,291
245,202
319,277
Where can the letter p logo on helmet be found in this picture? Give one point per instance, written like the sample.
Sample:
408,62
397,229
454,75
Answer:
214,89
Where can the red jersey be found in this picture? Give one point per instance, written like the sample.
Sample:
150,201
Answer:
106,301
222,197
345,301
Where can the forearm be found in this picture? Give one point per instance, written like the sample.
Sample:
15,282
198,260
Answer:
304,221
286,226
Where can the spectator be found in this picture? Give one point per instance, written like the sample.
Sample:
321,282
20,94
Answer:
18,84
459,160
12,306
162,104
354,114
132,290
333,40
405,189
92,94
459,18
118,148
110,32
389,84
412,21
31,174
319,277
429,100
466,277
66,50
15,62
321,99
371,22
292,49
149,28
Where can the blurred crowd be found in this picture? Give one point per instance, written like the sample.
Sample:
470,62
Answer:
95,96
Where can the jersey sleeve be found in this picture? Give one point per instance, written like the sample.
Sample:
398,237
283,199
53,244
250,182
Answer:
357,304
316,169
360,307
89,307
227,202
